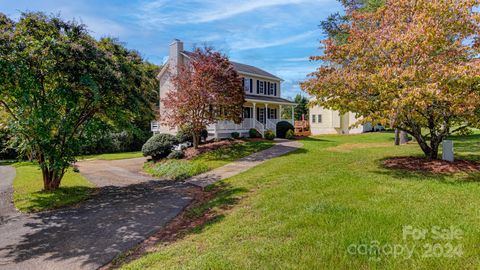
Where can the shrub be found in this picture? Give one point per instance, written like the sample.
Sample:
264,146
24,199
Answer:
282,128
290,134
253,133
184,135
235,135
176,154
269,135
159,146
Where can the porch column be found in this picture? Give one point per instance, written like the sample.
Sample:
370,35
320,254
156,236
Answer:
266,113
279,113
254,114
293,115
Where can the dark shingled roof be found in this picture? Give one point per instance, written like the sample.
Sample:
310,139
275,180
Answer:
269,99
246,68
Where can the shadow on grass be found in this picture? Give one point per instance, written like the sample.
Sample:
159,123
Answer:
7,162
404,174
226,196
47,200
313,139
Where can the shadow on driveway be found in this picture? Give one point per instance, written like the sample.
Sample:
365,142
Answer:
92,233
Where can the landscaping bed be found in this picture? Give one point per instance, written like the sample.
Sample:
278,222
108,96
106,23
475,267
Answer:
432,166
209,156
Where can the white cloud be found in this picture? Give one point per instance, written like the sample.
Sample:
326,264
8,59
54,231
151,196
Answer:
297,59
254,43
197,11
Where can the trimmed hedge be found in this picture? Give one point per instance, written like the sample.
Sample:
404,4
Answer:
290,134
269,135
235,135
282,128
253,133
159,146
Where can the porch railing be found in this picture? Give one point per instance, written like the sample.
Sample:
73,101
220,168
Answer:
259,126
272,125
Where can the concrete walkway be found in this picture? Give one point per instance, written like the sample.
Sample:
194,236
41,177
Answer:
282,147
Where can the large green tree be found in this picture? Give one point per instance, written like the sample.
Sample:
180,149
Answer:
61,87
302,108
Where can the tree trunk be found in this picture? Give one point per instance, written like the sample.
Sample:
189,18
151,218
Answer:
430,151
196,140
51,179
397,137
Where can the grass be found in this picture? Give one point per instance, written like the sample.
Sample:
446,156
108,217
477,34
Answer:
29,197
305,210
112,156
183,169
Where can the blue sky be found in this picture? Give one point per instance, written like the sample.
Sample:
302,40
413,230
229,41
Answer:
276,35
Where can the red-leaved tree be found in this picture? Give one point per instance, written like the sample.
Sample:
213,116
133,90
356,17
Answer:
208,89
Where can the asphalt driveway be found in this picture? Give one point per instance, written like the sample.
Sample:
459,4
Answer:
128,208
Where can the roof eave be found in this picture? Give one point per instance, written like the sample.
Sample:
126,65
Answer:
260,76
164,68
271,101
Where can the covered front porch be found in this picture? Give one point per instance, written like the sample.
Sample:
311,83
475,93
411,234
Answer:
259,114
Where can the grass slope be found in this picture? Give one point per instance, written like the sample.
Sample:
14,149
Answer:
305,209
29,197
182,169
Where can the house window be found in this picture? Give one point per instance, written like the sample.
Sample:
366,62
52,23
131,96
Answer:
272,113
271,90
247,85
319,118
313,118
247,112
260,87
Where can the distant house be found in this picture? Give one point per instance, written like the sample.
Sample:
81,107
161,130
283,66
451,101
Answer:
262,109
326,121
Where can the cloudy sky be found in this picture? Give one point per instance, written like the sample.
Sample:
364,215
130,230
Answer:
276,35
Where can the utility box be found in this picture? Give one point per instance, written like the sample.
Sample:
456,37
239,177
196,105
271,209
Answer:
447,150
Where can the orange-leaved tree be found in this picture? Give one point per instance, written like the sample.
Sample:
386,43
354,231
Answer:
410,64
207,90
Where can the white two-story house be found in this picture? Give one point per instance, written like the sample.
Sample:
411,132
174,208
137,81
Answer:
263,102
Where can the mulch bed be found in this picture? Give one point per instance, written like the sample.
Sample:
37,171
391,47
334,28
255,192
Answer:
174,230
431,166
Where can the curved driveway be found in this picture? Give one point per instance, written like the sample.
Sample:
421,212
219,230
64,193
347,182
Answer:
91,234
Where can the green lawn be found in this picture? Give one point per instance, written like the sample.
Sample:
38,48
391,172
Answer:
112,156
29,197
182,169
318,207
